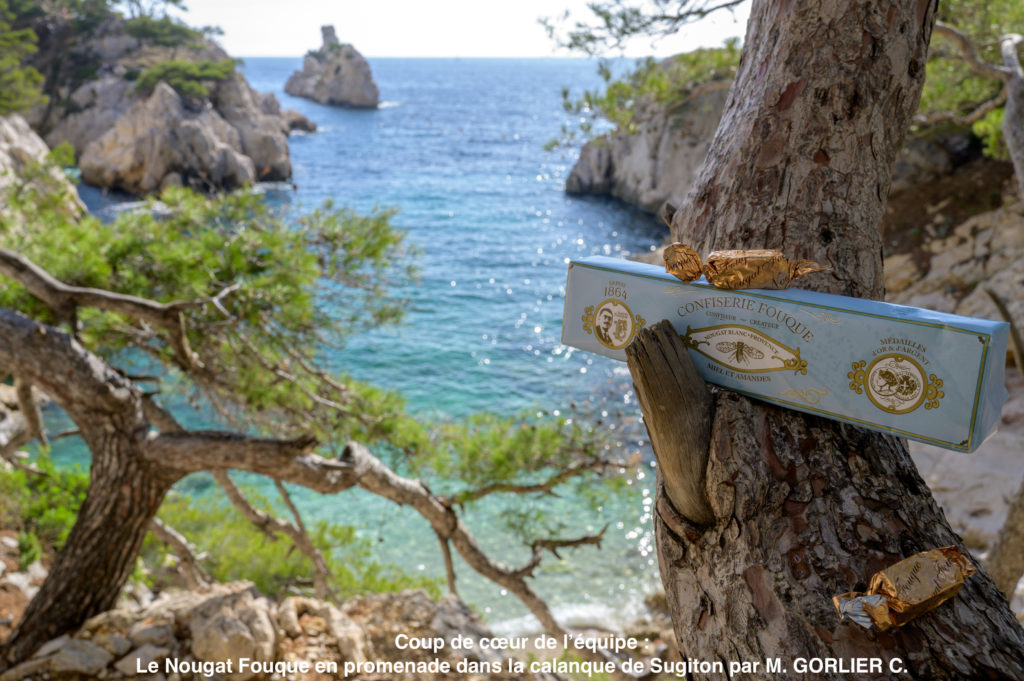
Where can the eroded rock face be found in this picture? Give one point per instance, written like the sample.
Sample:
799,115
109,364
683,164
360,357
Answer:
656,165
141,143
22,159
659,163
335,74
157,141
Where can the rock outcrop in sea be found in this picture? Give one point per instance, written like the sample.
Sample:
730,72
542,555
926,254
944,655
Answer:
221,136
335,74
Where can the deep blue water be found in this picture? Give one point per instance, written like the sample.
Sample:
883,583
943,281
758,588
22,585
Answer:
457,148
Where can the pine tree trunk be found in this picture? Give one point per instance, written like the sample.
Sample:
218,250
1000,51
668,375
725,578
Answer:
88,574
806,508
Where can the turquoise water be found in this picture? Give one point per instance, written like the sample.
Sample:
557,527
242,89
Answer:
457,148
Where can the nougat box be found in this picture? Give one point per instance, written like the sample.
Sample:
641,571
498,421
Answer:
925,375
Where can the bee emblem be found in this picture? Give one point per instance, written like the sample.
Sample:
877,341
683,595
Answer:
739,351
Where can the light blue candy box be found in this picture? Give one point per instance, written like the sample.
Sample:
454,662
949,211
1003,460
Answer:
925,375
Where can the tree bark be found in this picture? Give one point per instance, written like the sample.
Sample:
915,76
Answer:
806,508
88,574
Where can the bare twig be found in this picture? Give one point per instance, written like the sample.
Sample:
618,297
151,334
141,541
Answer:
449,566
544,487
188,561
979,112
321,572
270,526
552,545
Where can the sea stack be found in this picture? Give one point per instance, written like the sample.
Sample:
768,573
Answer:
335,74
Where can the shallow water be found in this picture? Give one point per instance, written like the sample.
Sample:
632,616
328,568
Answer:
457,148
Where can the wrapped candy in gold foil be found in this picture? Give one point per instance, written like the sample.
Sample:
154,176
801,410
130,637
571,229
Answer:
682,262
755,269
907,589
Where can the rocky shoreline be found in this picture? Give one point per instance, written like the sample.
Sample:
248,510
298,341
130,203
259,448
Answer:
201,125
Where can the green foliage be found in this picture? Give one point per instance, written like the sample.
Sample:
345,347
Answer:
20,84
263,298
990,130
190,247
29,550
236,549
41,506
615,22
165,31
950,84
188,78
651,85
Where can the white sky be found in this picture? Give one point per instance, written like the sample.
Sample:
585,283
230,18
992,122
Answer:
422,28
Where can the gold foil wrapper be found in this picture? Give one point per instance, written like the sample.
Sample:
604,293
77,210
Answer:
682,262
907,589
756,269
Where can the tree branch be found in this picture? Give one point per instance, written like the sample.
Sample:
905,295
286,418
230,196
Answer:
544,487
378,479
980,112
970,53
188,562
29,405
64,300
158,416
321,573
552,545
270,525
449,565
83,385
287,460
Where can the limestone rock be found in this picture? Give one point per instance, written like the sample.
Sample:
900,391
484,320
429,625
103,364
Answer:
96,106
984,252
296,121
232,627
22,150
143,143
335,74
157,137
656,165
140,659
659,163
80,657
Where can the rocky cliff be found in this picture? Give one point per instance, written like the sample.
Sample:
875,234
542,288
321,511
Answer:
220,134
24,173
659,163
335,74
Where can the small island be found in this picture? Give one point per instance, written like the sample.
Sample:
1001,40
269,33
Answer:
336,74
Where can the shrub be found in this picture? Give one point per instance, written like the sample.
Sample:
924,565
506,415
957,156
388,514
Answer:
186,77
164,31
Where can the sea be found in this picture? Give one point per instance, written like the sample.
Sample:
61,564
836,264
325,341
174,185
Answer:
457,146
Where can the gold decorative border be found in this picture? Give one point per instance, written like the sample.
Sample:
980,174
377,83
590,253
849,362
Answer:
797,365
983,338
589,320
931,393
